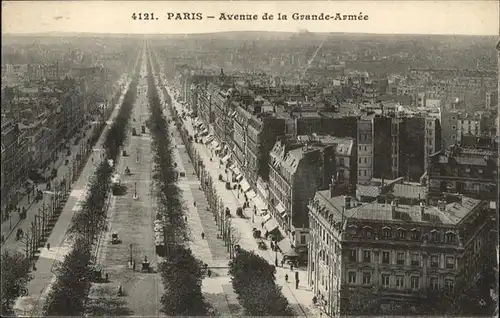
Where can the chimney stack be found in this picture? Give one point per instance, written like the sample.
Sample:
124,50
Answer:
332,186
347,202
422,210
393,209
441,205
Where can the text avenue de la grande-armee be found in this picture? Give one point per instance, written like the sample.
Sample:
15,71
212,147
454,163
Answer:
225,16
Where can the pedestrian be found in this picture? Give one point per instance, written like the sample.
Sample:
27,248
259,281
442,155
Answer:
48,246
286,278
186,218
283,262
133,265
3,238
291,267
194,203
202,235
92,159
296,275
315,300
297,284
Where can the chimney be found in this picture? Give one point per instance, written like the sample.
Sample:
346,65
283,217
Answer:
393,209
332,187
441,205
422,210
347,202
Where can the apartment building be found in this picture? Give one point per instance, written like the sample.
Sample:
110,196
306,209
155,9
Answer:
376,257
470,169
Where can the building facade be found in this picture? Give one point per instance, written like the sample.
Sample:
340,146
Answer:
377,258
469,169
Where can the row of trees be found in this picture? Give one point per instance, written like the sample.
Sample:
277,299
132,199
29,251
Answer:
68,294
181,272
253,280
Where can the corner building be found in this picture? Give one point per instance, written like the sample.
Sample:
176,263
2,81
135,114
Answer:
371,257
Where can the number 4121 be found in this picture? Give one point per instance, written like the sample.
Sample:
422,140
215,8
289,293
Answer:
143,16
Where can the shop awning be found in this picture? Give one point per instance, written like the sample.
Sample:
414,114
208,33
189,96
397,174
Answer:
218,148
244,185
280,208
236,170
283,214
204,131
226,158
215,143
266,218
251,194
285,246
271,225
259,204
209,139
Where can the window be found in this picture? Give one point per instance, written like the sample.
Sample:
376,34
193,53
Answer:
385,280
367,256
352,277
401,234
449,284
450,262
434,236
366,160
367,278
415,259
453,127
364,173
341,161
386,257
415,282
352,256
415,235
434,261
368,233
450,238
400,281
480,170
434,283
400,260
386,233
360,159
302,239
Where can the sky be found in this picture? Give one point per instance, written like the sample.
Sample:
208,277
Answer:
479,17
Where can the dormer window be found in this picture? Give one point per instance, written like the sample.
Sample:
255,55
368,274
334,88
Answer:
386,232
450,237
367,231
352,229
415,234
435,236
401,233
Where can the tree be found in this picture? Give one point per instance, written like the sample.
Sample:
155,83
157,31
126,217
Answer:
253,280
181,273
15,276
68,294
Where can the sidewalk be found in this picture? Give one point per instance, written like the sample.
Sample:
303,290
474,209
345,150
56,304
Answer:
39,286
217,289
300,299
14,222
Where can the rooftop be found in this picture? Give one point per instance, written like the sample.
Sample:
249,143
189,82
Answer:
451,213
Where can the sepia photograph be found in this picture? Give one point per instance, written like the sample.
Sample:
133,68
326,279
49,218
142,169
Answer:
250,158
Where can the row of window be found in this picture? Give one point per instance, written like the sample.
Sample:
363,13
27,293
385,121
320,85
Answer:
399,281
401,233
415,259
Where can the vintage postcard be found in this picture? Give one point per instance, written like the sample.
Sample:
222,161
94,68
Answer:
250,158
